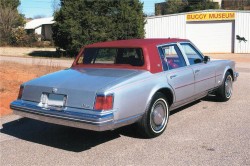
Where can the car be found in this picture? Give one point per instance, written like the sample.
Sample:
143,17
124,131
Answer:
118,83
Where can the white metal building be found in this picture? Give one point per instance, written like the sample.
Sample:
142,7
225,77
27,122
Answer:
212,31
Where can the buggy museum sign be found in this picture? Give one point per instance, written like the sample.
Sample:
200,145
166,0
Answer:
210,16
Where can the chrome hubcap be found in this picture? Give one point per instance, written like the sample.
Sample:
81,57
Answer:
228,86
158,116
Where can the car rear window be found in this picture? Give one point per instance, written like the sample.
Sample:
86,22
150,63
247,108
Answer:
130,56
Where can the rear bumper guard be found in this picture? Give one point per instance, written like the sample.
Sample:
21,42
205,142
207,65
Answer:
96,122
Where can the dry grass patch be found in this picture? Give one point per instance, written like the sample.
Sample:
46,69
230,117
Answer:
13,75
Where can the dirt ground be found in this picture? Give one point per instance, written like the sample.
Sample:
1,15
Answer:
12,76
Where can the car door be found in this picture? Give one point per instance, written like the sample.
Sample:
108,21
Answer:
204,73
179,76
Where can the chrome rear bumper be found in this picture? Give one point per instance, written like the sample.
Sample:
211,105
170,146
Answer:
96,122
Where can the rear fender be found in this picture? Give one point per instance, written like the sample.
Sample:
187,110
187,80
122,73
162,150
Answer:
155,90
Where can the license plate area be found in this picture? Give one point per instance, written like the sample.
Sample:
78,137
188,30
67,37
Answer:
53,100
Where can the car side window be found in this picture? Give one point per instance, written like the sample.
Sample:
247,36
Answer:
173,57
193,55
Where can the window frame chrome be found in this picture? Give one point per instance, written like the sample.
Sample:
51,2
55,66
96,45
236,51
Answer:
159,47
196,49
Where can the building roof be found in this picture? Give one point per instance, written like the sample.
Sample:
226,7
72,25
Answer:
39,22
199,11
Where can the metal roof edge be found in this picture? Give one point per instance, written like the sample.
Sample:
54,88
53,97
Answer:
199,11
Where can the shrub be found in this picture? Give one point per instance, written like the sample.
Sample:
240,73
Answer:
19,37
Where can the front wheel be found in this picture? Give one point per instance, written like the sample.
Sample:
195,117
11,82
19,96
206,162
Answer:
154,121
225,91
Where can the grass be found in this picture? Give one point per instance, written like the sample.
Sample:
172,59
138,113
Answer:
22,72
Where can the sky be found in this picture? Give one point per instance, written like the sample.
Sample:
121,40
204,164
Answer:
33,8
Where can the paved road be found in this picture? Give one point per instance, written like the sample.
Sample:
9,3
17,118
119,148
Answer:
38,61
203,133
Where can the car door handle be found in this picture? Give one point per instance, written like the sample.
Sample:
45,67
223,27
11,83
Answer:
197,71
173,76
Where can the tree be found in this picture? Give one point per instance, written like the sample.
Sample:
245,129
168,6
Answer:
55,5
194,5
82,22
160,8
236,4
9,19
175,6
178,6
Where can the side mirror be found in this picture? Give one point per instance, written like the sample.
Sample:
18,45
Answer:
206,59
197,61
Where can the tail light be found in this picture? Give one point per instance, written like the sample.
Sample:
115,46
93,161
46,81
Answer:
104,103
20,92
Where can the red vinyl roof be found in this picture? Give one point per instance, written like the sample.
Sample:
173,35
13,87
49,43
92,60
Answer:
150,51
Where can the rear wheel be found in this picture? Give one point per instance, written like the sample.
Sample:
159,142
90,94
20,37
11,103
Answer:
154,121
225,91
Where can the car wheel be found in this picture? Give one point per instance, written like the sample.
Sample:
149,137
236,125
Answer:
154,121
225,91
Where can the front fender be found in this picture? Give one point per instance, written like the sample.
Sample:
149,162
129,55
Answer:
222,68
230,69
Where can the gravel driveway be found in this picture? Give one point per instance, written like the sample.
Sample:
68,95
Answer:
38,61
203,133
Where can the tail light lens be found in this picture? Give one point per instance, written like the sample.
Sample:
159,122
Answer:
20,92
104,103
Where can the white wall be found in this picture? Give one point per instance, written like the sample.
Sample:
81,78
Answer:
172,26
242,28
38,30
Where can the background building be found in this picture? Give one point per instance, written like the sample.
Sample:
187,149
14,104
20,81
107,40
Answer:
41,26
212,31
218,1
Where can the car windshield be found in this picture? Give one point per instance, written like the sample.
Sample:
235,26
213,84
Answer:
130,56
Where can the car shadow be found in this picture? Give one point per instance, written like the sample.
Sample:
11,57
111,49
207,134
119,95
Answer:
211,98
69,138
184,107
62,137
48,54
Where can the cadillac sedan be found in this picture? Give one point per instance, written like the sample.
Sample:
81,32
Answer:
117,83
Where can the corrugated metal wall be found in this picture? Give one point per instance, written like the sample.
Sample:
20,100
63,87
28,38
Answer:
242,28
175,26
166,26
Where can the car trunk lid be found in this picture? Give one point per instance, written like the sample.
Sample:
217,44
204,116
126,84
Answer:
79,86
